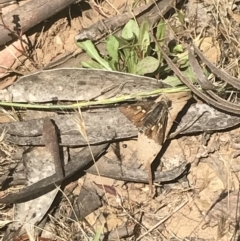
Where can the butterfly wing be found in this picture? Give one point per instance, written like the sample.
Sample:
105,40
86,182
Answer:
150,117
136,112
155,122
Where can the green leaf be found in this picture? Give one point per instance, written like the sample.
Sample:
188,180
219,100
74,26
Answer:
92,65
112,46
90,49
160,35
182,60
146,65
113,64
175,81
181,17
130,30
130,59
172,80
122,42
161,31
178,49
98,233
144,38
189,74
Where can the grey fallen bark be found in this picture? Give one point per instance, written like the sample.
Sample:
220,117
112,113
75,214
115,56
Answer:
38,164
75,84
151,12
210,119
104,123
29,15
82,159
114,169
88,200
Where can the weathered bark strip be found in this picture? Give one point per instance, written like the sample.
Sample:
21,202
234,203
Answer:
76,84
152,12
103,123
113,169
30,14
101,126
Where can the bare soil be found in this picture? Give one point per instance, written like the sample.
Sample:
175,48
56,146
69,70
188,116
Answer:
177,212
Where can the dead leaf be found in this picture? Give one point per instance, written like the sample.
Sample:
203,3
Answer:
179,100
235,16
147,150
174,155
108,189
210,49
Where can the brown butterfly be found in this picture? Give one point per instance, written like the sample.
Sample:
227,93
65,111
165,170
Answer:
150,117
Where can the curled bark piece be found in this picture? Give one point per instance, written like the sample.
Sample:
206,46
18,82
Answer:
115,170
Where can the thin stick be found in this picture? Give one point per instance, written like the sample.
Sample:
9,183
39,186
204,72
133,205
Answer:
114,100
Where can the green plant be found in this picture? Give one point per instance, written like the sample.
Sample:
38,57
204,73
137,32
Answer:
98,234
134,52
131,52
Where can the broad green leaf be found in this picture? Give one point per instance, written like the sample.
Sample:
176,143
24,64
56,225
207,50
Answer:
92,65
160,35
175,81
146,65
130,30
183,63
112,46
126,53
130,59
122,42
161,31
90,49
144,38
172,80
113,64
181,17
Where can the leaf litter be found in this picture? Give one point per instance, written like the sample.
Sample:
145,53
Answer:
205,184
